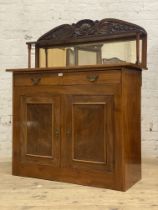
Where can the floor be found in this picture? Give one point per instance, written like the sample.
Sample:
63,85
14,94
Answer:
18,193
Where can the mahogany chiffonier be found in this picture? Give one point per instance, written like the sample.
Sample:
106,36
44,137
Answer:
77,113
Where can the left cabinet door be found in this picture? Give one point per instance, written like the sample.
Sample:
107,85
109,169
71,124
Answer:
39,129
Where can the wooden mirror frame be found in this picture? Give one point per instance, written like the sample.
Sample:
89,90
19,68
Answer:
89,31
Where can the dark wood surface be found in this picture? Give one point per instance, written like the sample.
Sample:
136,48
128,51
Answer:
102,67
88,30
39,127
86,132
64,78
40,124
131,93
89,131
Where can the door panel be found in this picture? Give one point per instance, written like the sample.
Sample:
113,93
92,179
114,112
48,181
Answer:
40,136
39,127
90,128
86,132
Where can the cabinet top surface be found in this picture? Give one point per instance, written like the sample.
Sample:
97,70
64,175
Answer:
76,68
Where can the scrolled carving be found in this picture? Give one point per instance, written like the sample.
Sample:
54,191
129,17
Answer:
113,26
84,28
89,30
61,32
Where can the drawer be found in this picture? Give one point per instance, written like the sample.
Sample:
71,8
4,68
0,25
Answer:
36,79
93,77
68,78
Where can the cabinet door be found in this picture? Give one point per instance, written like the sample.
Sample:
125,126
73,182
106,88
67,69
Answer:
89,132
40,133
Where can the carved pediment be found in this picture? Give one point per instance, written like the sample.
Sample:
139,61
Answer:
88,30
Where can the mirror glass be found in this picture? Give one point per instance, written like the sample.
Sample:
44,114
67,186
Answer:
90,54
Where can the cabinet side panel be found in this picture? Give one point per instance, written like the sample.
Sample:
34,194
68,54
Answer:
131,106
16,134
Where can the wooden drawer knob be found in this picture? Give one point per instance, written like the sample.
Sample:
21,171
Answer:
92,78
35,80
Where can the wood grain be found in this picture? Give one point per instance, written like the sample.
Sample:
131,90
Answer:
95,137
39,129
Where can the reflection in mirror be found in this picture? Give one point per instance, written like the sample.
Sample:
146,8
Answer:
57,57
70,57
117,52
87,57
42,58
90,54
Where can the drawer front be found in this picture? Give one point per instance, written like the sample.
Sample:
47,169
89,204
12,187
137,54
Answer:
37,79
73,78
94,77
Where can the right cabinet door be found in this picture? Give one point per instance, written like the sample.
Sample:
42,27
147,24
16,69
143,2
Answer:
89,130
